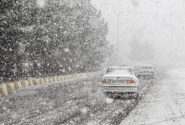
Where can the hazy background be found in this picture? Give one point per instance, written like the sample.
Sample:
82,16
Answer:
149,31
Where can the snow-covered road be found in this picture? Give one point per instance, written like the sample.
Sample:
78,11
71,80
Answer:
164,105
52,103
74,102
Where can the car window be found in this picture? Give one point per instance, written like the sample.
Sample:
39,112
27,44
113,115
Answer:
119,71
146,67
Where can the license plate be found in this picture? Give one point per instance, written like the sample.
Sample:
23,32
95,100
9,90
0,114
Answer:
119,81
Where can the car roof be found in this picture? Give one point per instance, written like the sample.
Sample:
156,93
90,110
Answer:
144,65
122,67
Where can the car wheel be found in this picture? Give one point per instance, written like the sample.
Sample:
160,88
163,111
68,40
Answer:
137,96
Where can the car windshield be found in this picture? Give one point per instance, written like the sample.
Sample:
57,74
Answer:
146,67
126,71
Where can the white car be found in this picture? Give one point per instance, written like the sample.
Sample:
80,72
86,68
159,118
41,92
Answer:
146,72
120,80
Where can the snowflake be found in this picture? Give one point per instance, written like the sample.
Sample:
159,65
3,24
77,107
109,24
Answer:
41,3
109,100
66,50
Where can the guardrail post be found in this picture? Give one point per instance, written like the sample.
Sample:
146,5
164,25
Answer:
23,84
9,89
29,83
16,85
34,82
40,81
1,91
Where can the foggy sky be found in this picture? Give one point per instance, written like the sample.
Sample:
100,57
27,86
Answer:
159,22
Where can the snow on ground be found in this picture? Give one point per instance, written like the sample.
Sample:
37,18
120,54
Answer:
74,102
52,103
165,105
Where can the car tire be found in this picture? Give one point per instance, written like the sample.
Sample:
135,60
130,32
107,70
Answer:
137,96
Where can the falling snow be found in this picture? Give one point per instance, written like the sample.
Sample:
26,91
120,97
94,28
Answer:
78,40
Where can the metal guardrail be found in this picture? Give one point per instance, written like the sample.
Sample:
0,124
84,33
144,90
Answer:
12,87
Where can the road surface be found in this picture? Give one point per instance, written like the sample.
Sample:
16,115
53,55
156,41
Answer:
74,102
163,105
